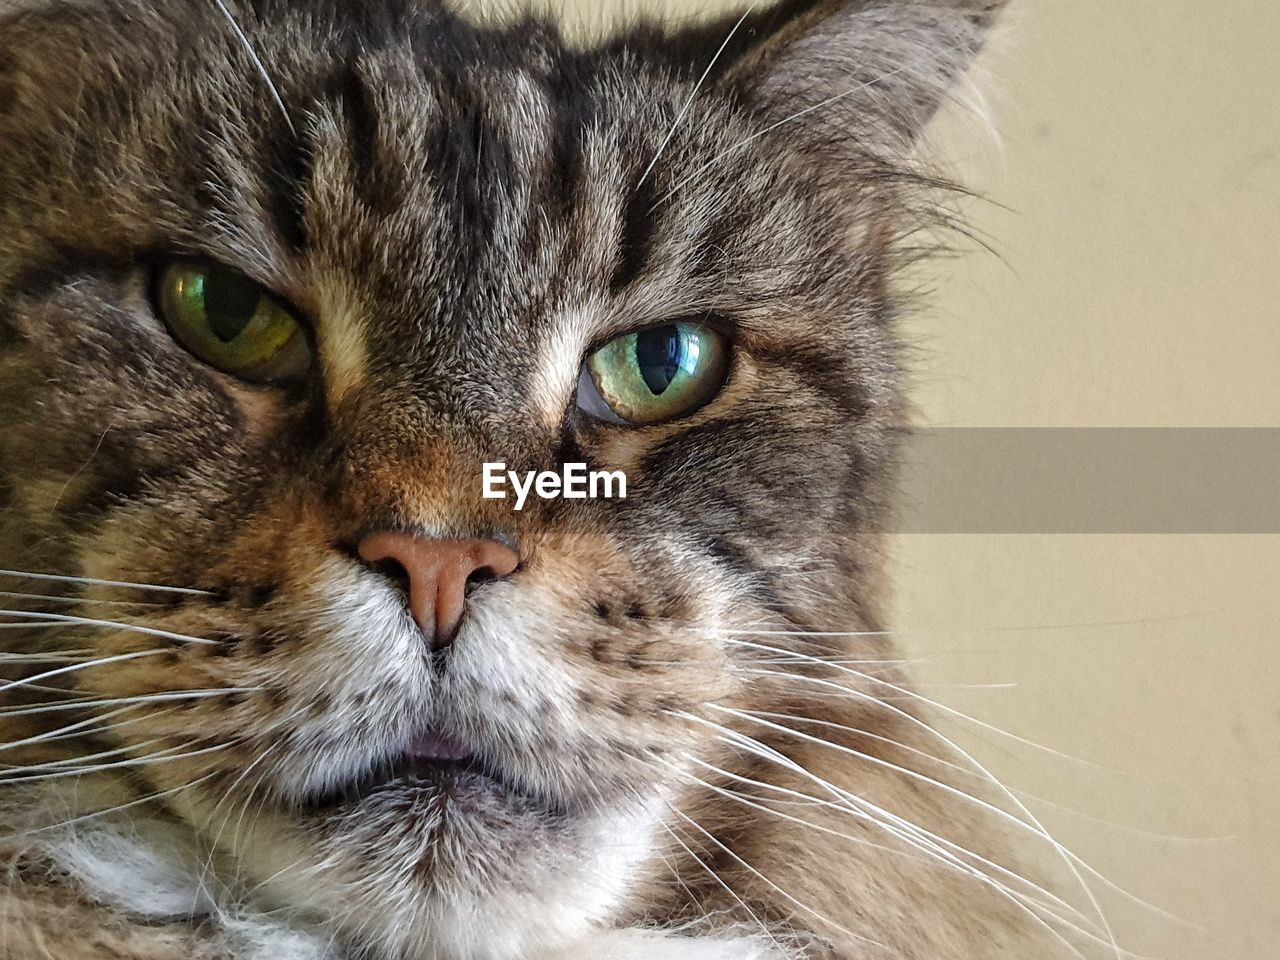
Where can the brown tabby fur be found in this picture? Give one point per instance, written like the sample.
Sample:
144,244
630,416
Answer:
460,212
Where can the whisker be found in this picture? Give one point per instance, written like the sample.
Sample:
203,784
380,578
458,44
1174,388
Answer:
30,624
903,692
258,64
1069,859
244,804
1073,862
802,797
1027,902
162,757
56,598
809,633
66,618
149,798
919,838
684,110
73,761
777,889
61,671
862,807
144,698
747,141
62,578
897,768
249,793
73,730
965,771
755,917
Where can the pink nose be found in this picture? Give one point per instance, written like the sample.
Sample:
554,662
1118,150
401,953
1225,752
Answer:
438,572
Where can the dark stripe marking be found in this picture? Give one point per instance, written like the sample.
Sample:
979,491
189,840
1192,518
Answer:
570,117
8,82
376,183
286,171
639,224
824,371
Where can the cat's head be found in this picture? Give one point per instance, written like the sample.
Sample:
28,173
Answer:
271,301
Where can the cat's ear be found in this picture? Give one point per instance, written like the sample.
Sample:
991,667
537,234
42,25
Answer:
873,69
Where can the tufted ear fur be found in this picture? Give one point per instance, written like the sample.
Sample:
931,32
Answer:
872,69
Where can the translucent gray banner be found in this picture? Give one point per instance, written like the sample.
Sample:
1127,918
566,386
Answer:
1092,480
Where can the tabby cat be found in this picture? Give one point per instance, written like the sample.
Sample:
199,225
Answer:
277,279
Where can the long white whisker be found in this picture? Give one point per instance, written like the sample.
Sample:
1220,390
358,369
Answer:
919,838
163,757
903,692
113,701
62,578
746,141
786,791
258,64
777,889
916,775
1026,901
73,761
61,671
684,110
1073,862
721,881
914,835
30,625
965,771
878,761
66,618
1067,857
244,805
808,633
55,598
62,732
149,798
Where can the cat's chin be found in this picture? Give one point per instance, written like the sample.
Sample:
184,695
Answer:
414,858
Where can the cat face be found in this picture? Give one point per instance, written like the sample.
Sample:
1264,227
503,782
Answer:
456,218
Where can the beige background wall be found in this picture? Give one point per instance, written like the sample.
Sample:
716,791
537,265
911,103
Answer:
1137,148
1138,152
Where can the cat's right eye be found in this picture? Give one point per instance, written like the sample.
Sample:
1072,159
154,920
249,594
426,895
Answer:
654,375
231,323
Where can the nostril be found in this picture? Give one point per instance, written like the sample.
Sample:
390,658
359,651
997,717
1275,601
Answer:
393,570
479,578
489,561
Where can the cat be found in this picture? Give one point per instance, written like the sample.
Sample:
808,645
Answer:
277,279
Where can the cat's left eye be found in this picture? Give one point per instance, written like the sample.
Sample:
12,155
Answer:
232,323
653,375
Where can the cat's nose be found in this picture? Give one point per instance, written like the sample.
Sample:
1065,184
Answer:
436,574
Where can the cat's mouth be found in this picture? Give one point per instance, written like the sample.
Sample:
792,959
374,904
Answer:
433,762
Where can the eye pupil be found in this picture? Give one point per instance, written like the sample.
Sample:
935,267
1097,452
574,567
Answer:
229,302
658,355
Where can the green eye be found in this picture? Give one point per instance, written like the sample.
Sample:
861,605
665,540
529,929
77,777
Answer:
654,375
231,323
